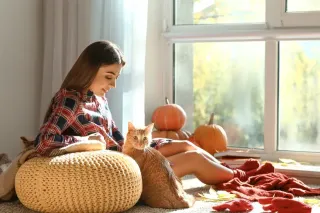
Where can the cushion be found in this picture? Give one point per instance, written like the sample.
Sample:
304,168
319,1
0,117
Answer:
95,181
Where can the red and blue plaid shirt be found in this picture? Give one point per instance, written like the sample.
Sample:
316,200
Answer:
77,114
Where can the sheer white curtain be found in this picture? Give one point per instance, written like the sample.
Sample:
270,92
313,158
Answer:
66,33
70,25
124,22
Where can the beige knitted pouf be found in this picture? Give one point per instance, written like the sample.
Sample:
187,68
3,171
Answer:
98,181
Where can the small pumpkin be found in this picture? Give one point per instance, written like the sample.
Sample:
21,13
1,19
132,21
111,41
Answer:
175,135
169,117
211,137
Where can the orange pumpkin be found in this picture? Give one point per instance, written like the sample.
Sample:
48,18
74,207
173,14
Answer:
169,117
211,137
175,135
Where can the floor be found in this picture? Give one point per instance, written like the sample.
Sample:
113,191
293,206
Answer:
191,185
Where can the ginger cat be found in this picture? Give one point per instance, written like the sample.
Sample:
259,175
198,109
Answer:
161,187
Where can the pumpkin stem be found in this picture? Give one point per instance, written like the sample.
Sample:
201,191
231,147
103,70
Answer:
211,119
166,100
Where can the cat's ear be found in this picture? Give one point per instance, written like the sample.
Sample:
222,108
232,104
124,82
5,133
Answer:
149,127
26,143
130,126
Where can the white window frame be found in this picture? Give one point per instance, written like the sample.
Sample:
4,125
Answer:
278,27
282,18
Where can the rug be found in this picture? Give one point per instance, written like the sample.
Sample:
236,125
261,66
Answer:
191,184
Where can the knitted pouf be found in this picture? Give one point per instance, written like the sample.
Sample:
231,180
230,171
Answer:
97,181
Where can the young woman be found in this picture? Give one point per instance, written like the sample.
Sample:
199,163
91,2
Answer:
79,111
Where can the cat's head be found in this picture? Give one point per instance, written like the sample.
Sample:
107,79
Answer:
141,137
27,144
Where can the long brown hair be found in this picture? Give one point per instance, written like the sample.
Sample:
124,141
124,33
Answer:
84,70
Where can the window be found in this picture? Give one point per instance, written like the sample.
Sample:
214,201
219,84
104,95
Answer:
255,64
299,96
227,81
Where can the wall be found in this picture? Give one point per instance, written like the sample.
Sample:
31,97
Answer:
20,71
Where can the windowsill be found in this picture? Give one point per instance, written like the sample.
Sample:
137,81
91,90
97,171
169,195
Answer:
309,174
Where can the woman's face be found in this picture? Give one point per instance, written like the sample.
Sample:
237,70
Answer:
105,79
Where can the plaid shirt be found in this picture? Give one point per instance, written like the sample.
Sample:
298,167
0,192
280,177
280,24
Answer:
76,114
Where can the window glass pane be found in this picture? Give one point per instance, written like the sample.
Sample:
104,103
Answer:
219,11
299,96
226,78
303,5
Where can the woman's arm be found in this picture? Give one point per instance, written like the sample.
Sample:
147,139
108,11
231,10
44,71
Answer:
62,116
116,141
116,134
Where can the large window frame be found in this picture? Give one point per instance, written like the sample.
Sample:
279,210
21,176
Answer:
279,26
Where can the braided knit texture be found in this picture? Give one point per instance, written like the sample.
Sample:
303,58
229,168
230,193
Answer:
95,181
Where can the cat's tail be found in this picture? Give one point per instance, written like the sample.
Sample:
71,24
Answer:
184,199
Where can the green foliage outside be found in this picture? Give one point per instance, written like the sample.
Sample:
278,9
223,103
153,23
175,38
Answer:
232,87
